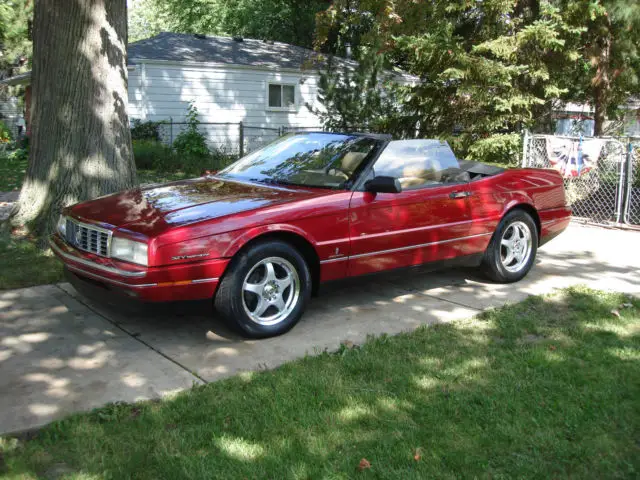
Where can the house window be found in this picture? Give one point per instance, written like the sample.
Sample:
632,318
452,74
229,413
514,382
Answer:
282,96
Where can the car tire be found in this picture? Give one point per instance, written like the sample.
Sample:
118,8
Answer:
265,290
513,247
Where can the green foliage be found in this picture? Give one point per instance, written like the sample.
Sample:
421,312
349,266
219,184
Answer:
188,155
13,166
145,130
15,35
23,264
5,134
607,70
146,19
151,154
162,159
353,96
289,21
501,148
488,69
191,142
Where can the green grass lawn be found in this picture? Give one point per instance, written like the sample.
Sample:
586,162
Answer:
548,388
22,264
12,170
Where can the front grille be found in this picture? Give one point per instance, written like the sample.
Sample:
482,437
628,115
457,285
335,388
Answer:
88,238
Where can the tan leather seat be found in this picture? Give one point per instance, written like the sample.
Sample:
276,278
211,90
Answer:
416,175
351,161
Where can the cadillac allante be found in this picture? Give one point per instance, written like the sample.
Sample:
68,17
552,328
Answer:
258,237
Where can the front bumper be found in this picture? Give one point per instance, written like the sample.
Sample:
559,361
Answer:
188,281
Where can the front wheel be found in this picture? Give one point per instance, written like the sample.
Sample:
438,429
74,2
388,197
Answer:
266,290
512,250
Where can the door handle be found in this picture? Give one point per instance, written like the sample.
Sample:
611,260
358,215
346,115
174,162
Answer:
459,194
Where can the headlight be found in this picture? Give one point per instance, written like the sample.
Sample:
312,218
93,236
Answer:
62,226
129,251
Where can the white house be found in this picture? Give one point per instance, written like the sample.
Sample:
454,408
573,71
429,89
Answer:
265,85
577,119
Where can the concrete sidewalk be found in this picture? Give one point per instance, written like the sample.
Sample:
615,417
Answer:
62,352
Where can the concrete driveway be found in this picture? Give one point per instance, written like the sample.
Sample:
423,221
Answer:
62,352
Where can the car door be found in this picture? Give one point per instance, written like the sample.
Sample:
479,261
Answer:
428,221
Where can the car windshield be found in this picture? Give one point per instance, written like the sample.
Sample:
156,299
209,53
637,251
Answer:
325,160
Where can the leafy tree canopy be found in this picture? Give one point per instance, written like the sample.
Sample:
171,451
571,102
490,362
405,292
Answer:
15,36
487,69
289,21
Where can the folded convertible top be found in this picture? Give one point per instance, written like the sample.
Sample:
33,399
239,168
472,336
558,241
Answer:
479,168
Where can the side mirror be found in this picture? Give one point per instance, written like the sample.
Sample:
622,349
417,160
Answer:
383,185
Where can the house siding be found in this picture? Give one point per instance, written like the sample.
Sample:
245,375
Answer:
221,94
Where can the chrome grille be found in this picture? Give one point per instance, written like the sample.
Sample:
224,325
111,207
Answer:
88,238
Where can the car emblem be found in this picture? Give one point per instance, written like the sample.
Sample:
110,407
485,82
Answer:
78,237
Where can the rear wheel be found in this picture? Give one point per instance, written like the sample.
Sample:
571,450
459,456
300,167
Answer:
265,291
512,250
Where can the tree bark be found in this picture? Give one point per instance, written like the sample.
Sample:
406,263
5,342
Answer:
80,142
602,81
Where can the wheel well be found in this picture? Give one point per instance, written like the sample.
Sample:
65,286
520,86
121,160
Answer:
305,248
531,211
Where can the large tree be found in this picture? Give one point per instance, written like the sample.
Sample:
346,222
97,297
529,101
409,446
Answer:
289,21
81,143
608,70
485,69
15,36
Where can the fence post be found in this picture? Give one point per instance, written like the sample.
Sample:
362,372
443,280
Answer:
525,148
171,131
626,184
241,139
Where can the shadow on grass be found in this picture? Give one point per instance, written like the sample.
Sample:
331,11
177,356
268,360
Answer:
23,264
545,388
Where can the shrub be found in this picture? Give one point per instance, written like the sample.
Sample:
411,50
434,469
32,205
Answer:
504,149
145,130
191,142
5,134
153,155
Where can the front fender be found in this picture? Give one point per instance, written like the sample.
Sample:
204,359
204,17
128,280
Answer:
256,232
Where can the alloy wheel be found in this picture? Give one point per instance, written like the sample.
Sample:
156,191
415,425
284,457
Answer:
270,291
515,246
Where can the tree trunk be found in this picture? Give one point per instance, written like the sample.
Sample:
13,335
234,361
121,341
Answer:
602,81
80,142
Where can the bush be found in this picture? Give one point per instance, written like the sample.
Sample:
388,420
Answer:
5,134
145,130
189,153
191,142
502,148
153,155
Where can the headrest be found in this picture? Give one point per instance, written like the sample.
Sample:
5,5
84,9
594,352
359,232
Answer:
351,161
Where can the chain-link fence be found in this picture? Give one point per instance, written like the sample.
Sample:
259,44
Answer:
231,138
607,190
632,197
11,117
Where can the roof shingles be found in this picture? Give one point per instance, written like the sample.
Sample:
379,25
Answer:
182,47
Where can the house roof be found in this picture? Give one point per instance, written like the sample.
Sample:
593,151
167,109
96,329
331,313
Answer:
183,47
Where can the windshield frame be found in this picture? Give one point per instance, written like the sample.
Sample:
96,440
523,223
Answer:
380,143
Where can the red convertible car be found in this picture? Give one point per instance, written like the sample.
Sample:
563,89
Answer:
259,236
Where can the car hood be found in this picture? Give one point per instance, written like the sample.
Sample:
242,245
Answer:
152,210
